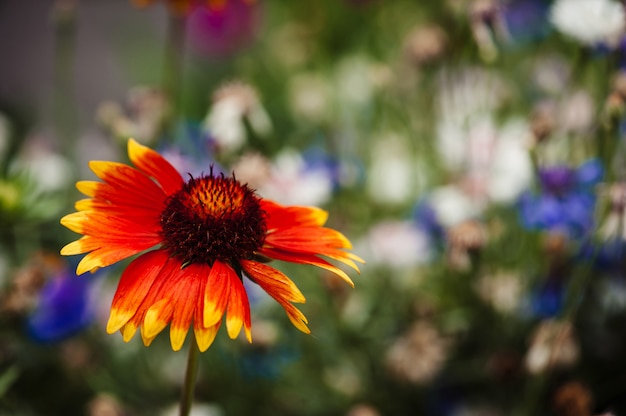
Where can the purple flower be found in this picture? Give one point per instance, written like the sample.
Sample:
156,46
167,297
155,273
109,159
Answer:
223,31
526,20
66,306
565,201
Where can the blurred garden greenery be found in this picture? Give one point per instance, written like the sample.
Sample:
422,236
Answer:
473,151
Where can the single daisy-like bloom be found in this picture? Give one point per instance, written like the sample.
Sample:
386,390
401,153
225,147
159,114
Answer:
198,240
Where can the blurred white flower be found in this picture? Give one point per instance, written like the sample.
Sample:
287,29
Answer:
344,378
418,355
395,243
551,73
354,84
577,111
452,205
392,171
253,169
310,97
469,93
493,161
49,169
589,21
553,344
290,182
143,117
232,104
510,170
502,291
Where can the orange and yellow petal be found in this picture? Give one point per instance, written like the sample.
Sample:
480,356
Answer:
303,258
122,216
313,240
296,316
273,281
216,294
156,291
279,287
224,293
136,283
185,294
128,181
102,223
157,317
238,313
204,335
279,216
172,299
295,234
155,166
128,199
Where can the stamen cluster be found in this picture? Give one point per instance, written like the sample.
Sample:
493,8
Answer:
213,218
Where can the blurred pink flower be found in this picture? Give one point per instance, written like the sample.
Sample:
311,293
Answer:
222,31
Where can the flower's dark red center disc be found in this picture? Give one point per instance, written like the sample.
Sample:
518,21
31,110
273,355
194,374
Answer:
213,218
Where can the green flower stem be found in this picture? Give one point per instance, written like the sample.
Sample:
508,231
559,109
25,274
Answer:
186,397
173,68
64,17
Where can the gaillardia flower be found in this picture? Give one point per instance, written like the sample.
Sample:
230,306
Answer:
205,236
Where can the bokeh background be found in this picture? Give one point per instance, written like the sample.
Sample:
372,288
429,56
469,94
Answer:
473,152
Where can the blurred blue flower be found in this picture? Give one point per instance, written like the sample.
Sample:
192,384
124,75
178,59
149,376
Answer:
547,299
606,256
526,20
565,201
316,158
66,305
426,218
191,151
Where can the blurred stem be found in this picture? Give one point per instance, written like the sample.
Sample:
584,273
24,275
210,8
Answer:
64,17
577,289
186,398
173,68
607,144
